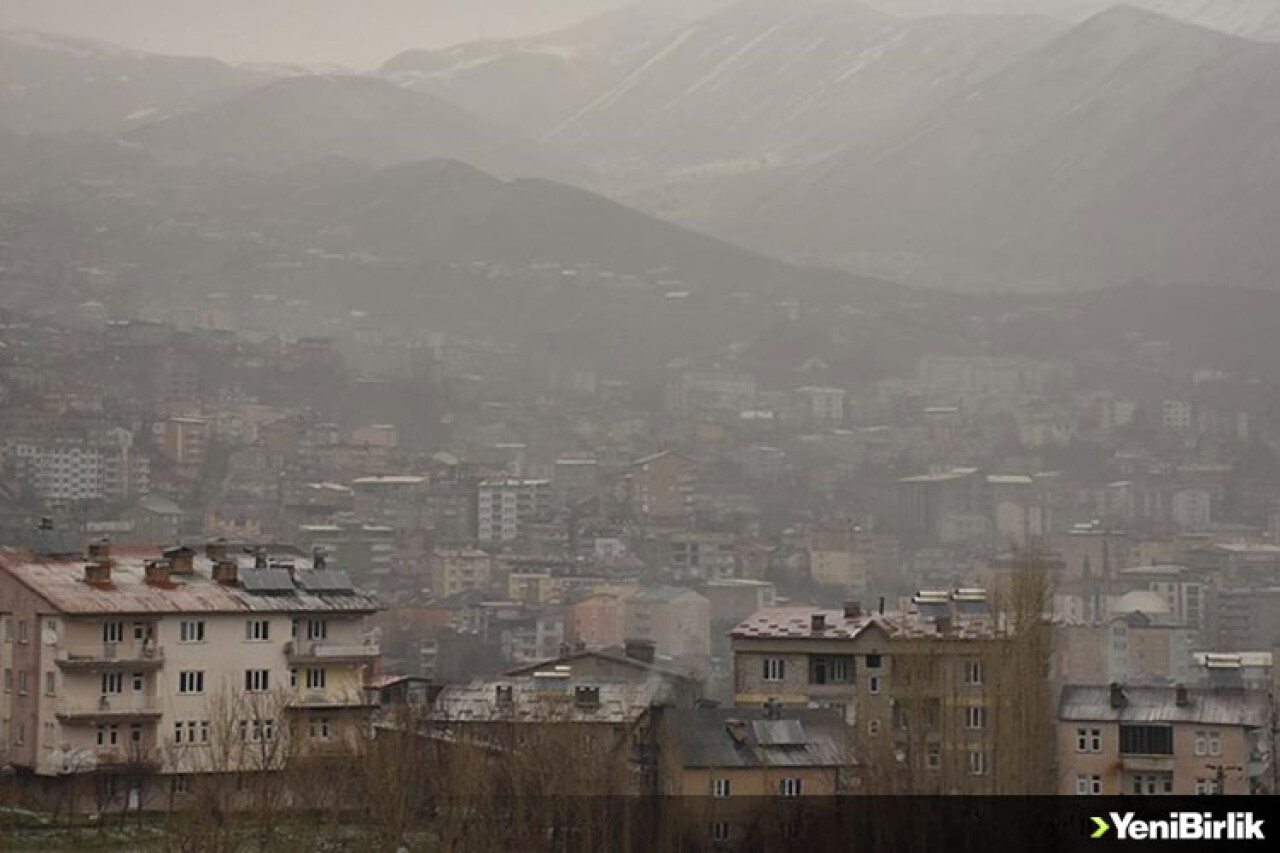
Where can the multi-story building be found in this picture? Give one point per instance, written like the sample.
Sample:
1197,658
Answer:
504,505
921,686
183,440
676,620
703,555
62,470
662,485
823,406
455,570
1121,739
176,666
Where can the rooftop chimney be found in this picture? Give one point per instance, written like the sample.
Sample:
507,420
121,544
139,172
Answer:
818,622
1180,697
157,572
853,609
641,650
182,561
259,557
317,557
504,695
216,550
226,572
1118,699
98,569
773,709
882,605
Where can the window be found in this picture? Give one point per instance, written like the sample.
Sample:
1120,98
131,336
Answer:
256,731
113,632
789,787
139,682
1208,743
22,631
293,677
721,788
873,685
8,628
139,632
899,716
108,735
873,661
112,683
22,682
1088,785
976,717
933,756
1206,787
20,734
830,669
973,672
315,679
179,733
1152,783
317,629
256,680
50,684
978,762
135,733
775,669
191,631
1095,740
720,830
1146,740
873,727
204,731
319,729
257,630
8,681
191,681
181,785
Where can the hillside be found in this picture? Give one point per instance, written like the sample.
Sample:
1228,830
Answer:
56,83
1133,146
300,119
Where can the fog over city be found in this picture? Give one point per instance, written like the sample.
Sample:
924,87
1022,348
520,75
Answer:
735,406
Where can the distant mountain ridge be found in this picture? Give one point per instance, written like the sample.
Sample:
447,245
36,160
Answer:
298,119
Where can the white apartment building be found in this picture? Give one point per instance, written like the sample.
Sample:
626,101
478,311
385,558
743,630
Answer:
164,669
503,505
62,471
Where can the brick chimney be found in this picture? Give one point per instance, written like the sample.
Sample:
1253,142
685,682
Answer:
1118,699
216,551
98,569
226,572
157,572
182,560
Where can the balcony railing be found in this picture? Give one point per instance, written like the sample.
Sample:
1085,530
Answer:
322,699
117,706
112,655
323,651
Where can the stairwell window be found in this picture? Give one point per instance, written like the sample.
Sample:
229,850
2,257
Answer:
973,672
775,669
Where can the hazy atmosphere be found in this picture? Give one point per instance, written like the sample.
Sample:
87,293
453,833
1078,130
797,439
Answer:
683,419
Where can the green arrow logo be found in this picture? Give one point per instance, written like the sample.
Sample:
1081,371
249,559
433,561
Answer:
1102,825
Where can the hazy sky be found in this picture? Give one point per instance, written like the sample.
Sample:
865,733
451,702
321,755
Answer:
361,33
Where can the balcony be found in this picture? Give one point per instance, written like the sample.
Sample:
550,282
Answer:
325,652
135,657
115,708
323,700
1147,763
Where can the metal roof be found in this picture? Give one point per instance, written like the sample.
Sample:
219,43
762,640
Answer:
1090,703
731,737
60,581
543,700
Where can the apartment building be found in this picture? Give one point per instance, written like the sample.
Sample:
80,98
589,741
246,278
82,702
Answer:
455,570
169,667
661,485
504,505
1121,739
919,685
